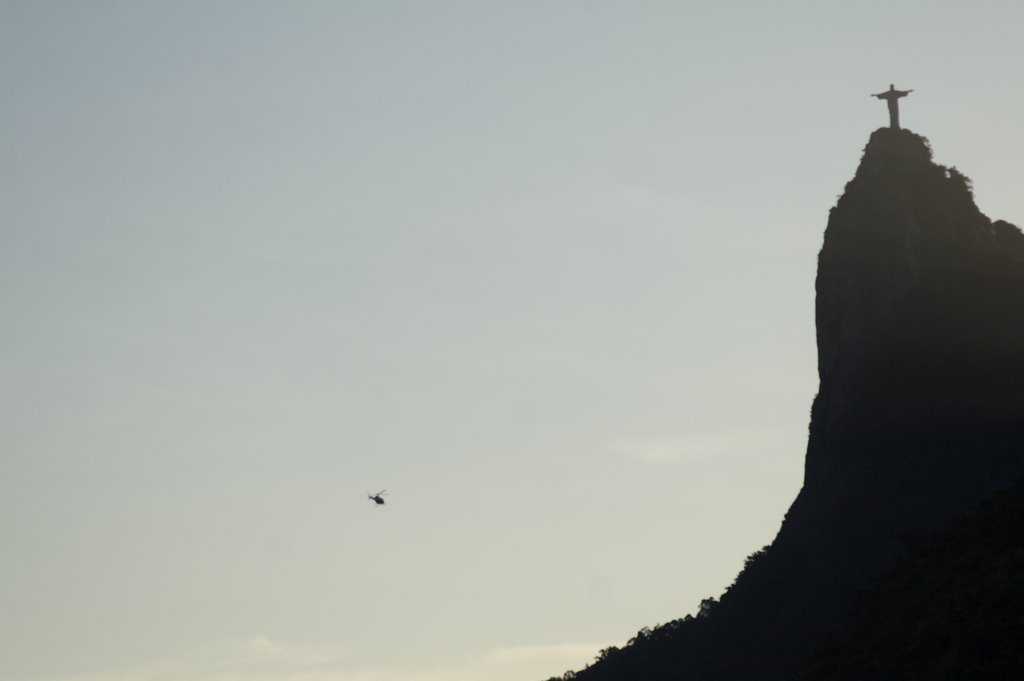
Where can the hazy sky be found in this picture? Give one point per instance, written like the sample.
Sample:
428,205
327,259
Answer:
542,270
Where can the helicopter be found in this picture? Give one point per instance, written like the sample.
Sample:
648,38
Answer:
378,497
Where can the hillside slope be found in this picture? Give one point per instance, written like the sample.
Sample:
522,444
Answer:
951,608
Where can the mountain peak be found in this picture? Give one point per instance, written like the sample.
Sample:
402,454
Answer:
919,414
898,143
902,217
899,195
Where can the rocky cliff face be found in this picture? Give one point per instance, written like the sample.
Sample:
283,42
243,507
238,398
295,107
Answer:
915,294
920,410
919,414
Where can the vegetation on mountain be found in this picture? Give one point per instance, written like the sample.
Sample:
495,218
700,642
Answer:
952,607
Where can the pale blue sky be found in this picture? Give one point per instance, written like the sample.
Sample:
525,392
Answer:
542,270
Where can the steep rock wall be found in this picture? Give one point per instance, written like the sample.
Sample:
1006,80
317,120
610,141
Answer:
919,414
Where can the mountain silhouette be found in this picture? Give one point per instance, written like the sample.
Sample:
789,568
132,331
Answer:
919,415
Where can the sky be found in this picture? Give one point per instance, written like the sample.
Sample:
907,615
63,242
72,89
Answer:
544,271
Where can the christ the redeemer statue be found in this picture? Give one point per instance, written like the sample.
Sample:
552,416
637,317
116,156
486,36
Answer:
891,97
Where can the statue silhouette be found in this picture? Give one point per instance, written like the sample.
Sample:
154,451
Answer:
891,97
